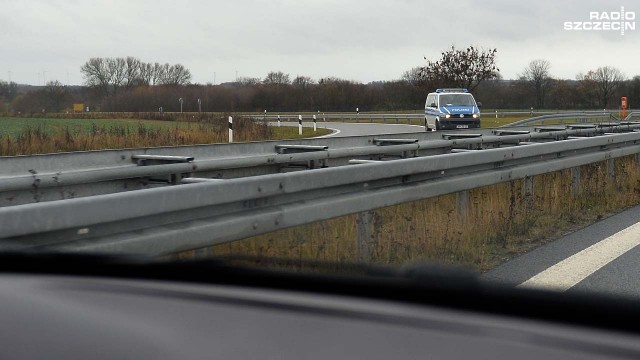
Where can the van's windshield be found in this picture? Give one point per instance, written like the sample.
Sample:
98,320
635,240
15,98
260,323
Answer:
456,99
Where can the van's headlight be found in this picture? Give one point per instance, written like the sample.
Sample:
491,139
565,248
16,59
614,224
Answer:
475,116
447,116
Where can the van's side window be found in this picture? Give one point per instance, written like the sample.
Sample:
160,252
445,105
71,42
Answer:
430,100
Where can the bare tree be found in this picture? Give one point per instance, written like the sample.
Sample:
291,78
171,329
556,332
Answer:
248,81
8,90
158,73
602,82
465,68
413,76
276,78
117,72
133,67
176,75
96,74
55,96
302,82
536,74
145,74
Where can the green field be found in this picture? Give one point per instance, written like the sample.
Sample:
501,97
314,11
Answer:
25,136
14,126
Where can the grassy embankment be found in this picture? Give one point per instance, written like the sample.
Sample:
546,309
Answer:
24,136
497,226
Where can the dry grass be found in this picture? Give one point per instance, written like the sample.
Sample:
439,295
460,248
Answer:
497,224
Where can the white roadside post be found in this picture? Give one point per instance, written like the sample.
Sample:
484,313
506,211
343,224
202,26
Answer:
230,129
278,120
315,126
299,124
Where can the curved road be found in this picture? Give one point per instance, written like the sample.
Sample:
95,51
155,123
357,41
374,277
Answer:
341,129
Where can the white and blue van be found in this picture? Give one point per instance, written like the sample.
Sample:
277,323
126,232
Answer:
451,109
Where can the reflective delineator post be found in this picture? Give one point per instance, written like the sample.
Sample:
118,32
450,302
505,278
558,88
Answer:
278,120
315,125
230,129
300,124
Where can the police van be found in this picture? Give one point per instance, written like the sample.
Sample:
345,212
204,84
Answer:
451,109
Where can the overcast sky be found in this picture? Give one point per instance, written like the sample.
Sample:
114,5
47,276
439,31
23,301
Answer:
356,40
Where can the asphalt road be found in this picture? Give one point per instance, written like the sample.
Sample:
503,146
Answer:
354,129
602,257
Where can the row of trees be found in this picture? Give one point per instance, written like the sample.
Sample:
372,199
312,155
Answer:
108,75
127,84
598,86
332,94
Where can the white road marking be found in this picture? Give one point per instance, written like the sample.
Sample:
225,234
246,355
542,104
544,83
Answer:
570,271
334,133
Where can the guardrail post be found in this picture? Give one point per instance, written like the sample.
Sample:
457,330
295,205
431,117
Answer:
611,169
528,192
575,180
462,202
364,236
230,129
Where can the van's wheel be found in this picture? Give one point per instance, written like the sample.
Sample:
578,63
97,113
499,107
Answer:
438,127
426,126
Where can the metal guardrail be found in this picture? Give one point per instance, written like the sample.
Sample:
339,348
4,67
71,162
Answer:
200,214
606,116
39,178
398,117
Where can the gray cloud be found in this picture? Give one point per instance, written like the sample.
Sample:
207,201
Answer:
364,41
